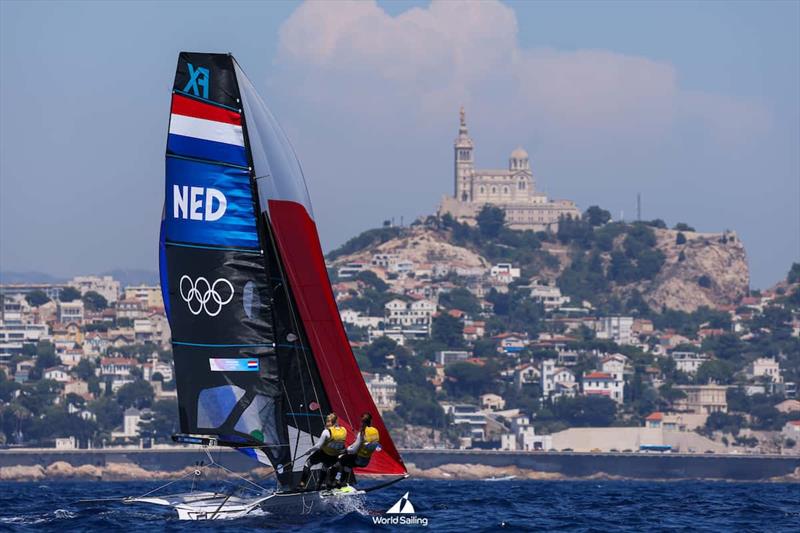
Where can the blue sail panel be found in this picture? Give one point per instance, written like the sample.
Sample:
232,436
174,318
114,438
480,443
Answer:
209,204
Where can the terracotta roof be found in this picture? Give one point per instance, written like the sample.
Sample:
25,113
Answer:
597,375
655,416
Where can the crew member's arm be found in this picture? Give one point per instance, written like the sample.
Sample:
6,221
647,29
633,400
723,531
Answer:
323,438
353,448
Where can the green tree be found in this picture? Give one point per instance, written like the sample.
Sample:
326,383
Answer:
793,276
94,301
69,294
715,370
37,298
467,379
460,298
704,281
448,330
585,411
491,220
680,238
681,226
137,394
162,422
85,369
596,216
725,422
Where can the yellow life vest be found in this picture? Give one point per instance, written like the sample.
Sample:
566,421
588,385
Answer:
335,444
369,443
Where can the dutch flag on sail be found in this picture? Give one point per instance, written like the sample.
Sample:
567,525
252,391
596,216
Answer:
205,131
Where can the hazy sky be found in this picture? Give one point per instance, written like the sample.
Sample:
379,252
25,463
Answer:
694,105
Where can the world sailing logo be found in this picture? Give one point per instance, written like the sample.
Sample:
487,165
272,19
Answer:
403,514
195,80
201,295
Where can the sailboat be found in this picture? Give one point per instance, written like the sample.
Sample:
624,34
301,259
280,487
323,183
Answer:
261,355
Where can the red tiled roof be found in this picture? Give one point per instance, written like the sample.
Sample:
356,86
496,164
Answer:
655,416
597,375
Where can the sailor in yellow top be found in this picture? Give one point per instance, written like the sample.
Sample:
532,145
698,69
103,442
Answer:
331,443
360,452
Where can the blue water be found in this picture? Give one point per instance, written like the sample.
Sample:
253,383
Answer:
448,505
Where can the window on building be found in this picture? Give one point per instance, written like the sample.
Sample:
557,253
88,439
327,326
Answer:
483,190
505,190
494,190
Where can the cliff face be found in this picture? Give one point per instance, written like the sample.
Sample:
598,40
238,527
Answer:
708,269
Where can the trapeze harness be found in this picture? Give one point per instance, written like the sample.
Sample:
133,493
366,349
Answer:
335,444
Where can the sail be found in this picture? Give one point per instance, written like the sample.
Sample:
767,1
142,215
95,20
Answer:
261,356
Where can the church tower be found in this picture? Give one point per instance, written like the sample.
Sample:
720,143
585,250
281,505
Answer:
464,164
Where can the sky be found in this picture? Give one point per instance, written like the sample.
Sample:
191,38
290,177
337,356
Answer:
695,106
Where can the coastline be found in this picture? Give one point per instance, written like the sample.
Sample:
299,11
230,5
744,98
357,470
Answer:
161,464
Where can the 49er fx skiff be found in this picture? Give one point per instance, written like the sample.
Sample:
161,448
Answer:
260,352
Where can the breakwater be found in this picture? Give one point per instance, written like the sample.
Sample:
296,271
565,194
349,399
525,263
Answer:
115,463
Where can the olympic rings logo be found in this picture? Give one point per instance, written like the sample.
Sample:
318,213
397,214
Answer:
201,295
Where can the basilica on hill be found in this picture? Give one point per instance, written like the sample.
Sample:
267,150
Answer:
512,189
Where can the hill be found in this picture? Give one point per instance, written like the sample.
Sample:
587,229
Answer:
613,265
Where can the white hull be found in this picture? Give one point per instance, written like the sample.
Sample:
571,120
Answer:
215,506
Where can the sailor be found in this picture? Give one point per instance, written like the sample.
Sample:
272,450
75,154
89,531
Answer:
360,452
326,451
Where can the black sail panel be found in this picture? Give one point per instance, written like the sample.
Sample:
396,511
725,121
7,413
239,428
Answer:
244,371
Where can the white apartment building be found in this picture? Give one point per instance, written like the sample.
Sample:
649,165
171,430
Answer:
765,366
467,415
14,335
105,286
446,357
615,364
549,295
688,362
504,272
355,318
400,313
556,381
523,437
350,270
603,384
617,328
383,389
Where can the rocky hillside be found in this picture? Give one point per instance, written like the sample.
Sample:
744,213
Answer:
680,270
710,269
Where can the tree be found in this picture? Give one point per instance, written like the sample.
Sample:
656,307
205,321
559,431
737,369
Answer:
137,394
69,294
94,301
161,423
448,330
468,379
585,411
794,274
704,281
680,238
491,220
681,226
725,422
460,298
84,369
715,370
596,216
37,298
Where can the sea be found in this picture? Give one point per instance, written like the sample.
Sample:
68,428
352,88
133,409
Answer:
439,505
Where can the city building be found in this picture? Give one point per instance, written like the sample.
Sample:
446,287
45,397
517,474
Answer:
523,437
548,294
401,313
603,384
511,343
765,367
702,399
468,416
71,312
556,381
688,362
105,286
504,272
149,295
492,402
383,389
446,357
617,328
513,190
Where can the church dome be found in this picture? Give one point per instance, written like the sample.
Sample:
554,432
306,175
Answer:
519,153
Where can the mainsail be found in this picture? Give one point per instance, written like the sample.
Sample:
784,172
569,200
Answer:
260,352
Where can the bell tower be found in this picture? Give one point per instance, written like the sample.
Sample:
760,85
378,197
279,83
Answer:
464,164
